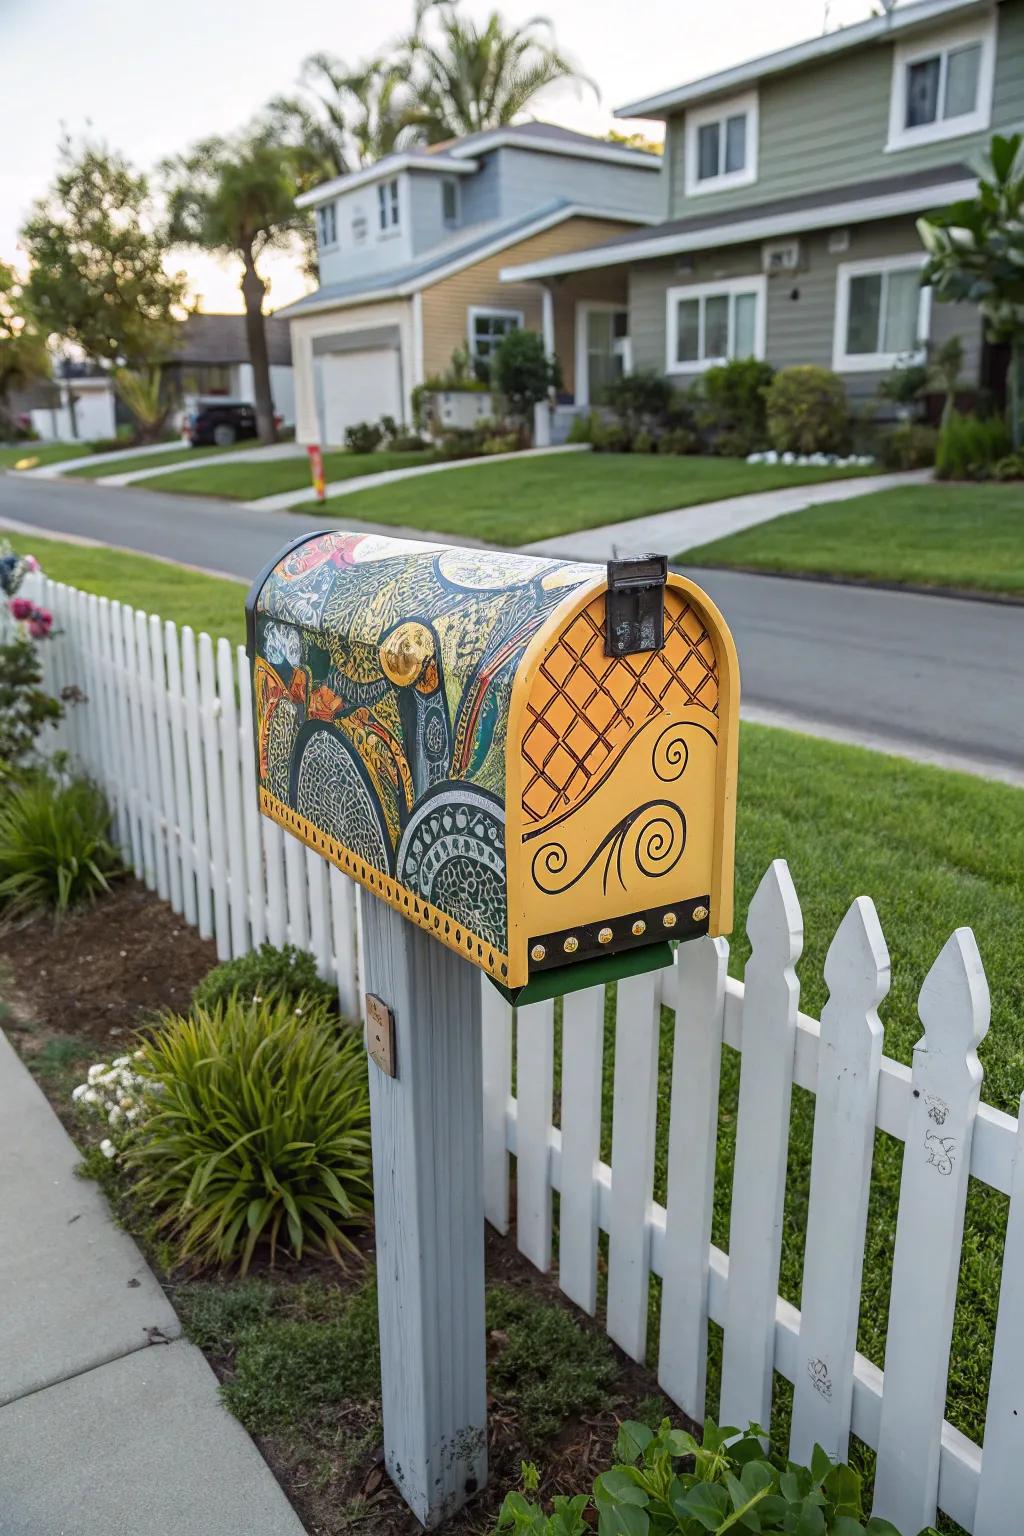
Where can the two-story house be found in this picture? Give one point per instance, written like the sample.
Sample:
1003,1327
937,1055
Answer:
791,187
410,251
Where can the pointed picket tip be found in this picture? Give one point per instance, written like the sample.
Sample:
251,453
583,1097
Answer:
774,917
954,1001
857,963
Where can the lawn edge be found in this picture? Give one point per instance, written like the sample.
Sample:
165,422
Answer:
837,579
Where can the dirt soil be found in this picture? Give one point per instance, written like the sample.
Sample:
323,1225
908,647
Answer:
103,971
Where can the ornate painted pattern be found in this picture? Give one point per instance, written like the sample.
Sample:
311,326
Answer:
383,675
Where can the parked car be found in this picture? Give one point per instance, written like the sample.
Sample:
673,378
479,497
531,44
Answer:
219,422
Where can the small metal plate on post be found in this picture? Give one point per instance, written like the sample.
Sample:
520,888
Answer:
380,1034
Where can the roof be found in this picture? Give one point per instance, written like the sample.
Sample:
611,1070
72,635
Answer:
878,29
458,157
882,197
462,250
221,339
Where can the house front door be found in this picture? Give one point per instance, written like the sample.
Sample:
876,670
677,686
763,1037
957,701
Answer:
602,349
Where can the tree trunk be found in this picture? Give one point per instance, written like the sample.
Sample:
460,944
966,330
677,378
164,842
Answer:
253,291
1015,389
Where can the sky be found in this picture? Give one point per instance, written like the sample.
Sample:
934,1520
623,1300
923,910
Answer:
148,78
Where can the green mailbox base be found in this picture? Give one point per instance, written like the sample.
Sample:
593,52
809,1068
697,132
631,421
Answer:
586,973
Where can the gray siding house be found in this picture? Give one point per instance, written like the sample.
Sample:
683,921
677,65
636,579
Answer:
791,187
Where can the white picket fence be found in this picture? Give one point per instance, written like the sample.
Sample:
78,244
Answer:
167,731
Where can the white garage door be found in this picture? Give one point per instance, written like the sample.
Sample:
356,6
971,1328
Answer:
359,386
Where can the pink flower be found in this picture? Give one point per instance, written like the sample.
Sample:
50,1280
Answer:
31,562
21,608
37,630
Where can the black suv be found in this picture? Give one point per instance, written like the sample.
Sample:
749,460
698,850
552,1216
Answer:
219,423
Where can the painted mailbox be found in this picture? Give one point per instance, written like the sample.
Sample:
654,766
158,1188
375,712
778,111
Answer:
532,759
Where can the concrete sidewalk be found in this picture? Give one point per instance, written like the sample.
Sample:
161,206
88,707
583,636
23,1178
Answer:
671,533
110,1421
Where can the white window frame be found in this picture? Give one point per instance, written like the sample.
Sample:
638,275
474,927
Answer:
733,106
321,219
584,308
874,362
389,207
452,183
492,312
755,283
916,51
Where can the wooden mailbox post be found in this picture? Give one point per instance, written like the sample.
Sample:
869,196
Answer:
533,763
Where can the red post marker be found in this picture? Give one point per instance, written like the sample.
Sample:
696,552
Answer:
316,466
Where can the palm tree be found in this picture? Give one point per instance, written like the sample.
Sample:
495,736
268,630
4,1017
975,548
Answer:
236,197
140,390
342,119
468,77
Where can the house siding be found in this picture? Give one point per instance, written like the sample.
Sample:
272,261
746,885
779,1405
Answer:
445,305
826,126
800,306
528,179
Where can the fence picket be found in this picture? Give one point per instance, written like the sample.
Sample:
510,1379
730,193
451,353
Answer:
295,887
535,1086
183,809
954,1009
209,722
343,921
273,865
255,894
232,787
583,1047
1003,1455
496,1024
137,711
634,1114
168,807
699,983
147,702
127,736
770,999
319,913
195,741
849,1060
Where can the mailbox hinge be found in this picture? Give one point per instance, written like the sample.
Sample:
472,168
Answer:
635,605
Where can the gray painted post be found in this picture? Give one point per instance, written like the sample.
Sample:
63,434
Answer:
427,1125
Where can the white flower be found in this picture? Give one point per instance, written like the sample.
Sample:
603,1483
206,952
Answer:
96,1071
115,1115
90,1096
79,1093
131,1115
107,1148
121,1061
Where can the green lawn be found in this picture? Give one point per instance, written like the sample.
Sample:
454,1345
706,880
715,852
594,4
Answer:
969,536
34,454
252,479
206,602
113,464
518,501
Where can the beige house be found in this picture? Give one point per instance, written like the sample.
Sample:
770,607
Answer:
411,252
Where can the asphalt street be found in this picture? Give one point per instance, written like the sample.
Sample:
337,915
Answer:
936,676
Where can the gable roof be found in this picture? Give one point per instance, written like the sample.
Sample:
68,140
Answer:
459,157
912,192
452,255
878,29
222,339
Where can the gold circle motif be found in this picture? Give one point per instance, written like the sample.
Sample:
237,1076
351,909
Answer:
669,920
605,936
571,945
699,914
538,952
405,652
639,927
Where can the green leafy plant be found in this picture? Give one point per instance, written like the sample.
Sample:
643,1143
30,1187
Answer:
581,428
970,446
363,437
140,390
639,400
55,848
911,445
548,1368
727,1486
25,708
523,373
945,365
730,406
807,411
1011,467
269,971
261,1131
904,385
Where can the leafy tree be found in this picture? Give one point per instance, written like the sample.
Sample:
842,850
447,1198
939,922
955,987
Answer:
467,77
236,198
523,372
139,389
23,354
96,274
976,253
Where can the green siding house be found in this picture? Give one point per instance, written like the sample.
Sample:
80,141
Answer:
792,184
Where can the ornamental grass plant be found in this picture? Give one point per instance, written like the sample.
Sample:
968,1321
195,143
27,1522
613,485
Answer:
258,1131
55,848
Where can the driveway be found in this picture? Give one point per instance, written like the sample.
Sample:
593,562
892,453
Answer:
936,677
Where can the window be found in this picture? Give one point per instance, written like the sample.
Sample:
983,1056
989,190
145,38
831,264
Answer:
721,145
327,225
882,314
387,205
711,323
942,89
486,329
450,200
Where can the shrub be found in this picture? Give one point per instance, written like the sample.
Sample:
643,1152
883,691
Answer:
25,708
806,411
500,442
731,406
523,373
1009,468
611,437
363,437
55,849
581,428
731,1487
287,972
970,446
680,440
911,445
640,399
408,442
643,442
260,1131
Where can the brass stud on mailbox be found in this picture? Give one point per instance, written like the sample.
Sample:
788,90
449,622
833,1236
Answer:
605,936
571,945
699,914
639,927
538,952
669,920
